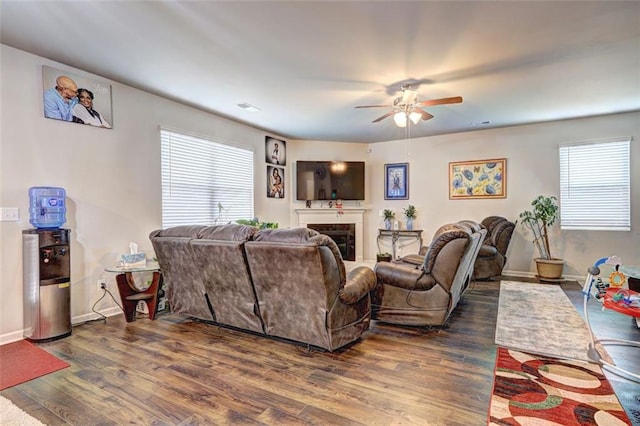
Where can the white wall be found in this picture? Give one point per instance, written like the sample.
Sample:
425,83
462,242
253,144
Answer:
532,169
112,177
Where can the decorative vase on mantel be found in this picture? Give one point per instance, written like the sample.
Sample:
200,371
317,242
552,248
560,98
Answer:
409,224
387,224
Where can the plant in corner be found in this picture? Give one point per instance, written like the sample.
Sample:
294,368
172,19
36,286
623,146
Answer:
410,214
389,215
543,215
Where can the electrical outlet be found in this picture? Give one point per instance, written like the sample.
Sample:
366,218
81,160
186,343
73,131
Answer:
102,284
9,214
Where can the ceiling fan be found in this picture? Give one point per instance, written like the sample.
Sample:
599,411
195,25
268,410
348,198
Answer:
407,107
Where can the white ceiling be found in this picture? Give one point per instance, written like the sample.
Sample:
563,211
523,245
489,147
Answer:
307,64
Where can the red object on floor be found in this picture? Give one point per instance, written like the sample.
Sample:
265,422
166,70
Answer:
23,361
619,305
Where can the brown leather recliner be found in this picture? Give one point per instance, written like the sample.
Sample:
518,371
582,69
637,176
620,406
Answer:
303,290
493,252
426,295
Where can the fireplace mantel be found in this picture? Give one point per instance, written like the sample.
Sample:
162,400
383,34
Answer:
331,215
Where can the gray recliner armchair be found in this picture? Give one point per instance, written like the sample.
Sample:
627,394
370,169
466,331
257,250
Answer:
493,252
426,294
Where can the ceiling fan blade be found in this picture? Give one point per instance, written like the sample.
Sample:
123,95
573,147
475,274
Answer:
389,114
425,115
442,101
373,106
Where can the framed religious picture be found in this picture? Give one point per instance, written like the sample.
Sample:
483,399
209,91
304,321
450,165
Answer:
275,151
478,179
275,182
396,181
76,99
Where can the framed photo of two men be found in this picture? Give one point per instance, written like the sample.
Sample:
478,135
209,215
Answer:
76,99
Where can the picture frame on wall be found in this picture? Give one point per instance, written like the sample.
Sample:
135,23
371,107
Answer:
76,99
275,151
396,181
478,179
275,182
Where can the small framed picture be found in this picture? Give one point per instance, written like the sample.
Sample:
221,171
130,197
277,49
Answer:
275,182
396,181
275,151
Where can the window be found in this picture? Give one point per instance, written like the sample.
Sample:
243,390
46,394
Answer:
595,186
204,182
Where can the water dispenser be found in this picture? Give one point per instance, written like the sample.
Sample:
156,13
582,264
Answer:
47,283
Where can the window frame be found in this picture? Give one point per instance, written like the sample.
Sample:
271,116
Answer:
204,181
583,185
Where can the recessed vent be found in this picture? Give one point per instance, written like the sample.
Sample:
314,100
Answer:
249,107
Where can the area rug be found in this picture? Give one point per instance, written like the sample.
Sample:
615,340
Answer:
12,415
535,390
22,361
540,319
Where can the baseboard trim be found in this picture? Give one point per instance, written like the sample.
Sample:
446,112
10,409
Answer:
14,336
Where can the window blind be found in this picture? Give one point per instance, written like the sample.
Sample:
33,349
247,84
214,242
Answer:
595,186
204,182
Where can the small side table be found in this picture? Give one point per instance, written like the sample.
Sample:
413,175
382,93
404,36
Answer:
397,234
131,295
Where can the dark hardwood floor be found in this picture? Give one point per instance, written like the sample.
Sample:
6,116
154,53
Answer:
180,372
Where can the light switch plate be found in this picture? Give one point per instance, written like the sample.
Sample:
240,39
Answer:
9,214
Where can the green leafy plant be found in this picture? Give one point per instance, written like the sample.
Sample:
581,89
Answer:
388,214
544,214
256,222
410,212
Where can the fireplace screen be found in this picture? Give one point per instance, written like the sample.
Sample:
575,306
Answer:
344,234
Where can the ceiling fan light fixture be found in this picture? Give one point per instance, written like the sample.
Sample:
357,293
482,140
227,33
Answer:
400,118
415,117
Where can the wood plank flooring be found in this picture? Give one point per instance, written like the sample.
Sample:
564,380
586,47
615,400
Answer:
174,371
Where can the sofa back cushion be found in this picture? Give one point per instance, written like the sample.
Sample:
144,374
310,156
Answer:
219,254
297,274
183,277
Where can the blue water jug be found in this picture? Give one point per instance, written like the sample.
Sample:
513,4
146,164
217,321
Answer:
47,207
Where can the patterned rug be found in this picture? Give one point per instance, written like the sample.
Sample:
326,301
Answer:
540,319
535,390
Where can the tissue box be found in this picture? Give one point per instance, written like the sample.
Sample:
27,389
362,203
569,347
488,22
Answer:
135,260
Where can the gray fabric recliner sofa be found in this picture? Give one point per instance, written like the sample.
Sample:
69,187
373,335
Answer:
426,294
286,283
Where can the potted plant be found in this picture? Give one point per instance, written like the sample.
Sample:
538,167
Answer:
383,257
410,214
256,222
544,214
389,215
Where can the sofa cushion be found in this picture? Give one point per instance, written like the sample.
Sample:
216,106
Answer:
186,231
229,232
443,235
292,235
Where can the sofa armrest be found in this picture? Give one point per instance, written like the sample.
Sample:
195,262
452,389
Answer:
403,275
359,283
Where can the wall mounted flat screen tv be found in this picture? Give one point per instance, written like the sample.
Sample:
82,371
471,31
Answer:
330,180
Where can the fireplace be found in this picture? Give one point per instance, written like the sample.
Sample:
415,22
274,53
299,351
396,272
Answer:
331,216
344,234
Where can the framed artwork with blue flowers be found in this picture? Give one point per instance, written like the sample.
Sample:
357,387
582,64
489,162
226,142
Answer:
478,179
